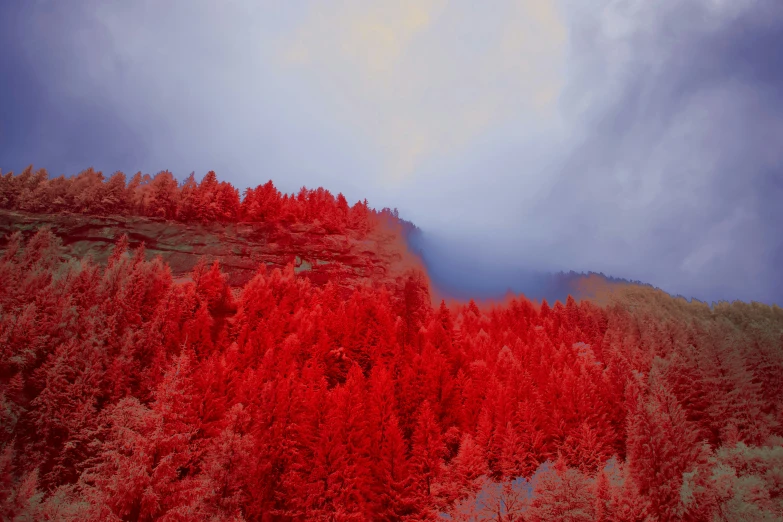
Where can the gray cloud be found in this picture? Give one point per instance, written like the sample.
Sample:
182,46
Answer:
639,139
672,170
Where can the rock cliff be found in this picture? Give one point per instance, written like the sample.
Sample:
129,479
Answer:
239,247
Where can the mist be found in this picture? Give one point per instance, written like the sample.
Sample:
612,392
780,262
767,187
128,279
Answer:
641,140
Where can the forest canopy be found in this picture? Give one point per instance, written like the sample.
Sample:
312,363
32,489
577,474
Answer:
127,395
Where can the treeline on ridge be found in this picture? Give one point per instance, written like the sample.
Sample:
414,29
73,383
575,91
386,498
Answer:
161,196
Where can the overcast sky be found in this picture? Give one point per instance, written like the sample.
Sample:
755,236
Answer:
642,139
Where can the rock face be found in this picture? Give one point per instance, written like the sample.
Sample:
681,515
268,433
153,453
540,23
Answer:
239,247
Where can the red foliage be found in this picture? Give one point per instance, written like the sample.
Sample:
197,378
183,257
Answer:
127,396
161,196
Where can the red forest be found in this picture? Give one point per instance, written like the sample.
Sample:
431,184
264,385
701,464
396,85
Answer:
163,197
127,395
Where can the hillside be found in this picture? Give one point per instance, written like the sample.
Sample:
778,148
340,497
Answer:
153,383
379,255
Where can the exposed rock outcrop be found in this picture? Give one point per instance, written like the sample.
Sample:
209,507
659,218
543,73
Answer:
239,247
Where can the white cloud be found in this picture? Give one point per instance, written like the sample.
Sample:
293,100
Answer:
423,79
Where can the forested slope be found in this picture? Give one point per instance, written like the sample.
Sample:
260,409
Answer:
127,393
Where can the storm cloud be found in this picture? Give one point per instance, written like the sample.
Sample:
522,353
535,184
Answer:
639,139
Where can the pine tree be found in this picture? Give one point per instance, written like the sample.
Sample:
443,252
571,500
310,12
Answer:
427,452
468,471
662,446
226,466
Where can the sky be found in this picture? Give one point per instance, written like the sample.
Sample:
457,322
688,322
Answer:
640,139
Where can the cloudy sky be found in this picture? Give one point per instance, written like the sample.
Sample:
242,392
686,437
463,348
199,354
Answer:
639,139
